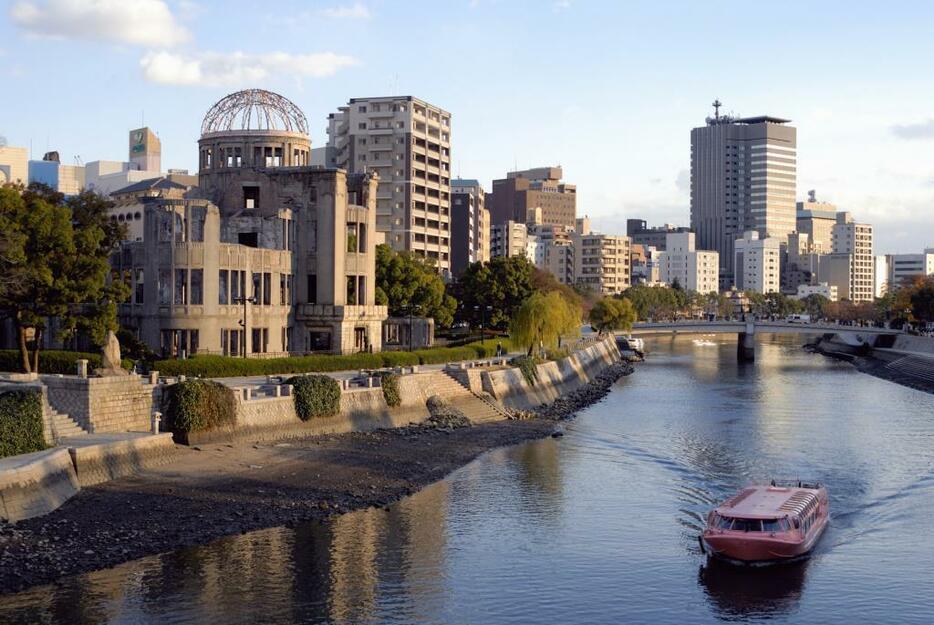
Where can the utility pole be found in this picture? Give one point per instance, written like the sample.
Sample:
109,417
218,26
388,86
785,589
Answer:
244,301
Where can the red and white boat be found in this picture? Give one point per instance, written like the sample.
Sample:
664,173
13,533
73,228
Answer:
768,523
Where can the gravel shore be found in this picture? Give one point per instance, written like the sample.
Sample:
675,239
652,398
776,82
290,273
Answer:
217,490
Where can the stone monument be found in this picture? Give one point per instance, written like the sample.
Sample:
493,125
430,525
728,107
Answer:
111,363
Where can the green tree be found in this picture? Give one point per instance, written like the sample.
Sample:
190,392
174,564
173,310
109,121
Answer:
922,301
656,302
815,305
409,283
64,267
543,319
612,313
503,284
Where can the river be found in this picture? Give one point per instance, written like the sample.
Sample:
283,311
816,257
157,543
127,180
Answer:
599,526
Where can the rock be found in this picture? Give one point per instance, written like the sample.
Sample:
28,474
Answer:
557,434
444,415
111,363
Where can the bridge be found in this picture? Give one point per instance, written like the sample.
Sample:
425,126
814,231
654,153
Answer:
746,330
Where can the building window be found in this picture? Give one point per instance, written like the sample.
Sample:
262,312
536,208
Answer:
198,215
319,340
260,338
312,288
138,280
251,197
165,286
197,286
361,126
181,287
267,289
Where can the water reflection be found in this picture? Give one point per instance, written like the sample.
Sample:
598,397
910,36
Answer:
748,592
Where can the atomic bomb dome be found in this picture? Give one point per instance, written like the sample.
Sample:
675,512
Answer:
254,109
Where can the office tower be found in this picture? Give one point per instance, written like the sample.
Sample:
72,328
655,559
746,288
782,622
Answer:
757,263
695,270
742,178
851,265
470,225
145,150
406,141
903,267
520,192
816,219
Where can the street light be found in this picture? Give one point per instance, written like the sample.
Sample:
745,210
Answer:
244,301
482,310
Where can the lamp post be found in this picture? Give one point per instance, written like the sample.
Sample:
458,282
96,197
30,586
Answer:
482,310
244,301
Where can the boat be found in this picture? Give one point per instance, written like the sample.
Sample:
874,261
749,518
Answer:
633,343
781,521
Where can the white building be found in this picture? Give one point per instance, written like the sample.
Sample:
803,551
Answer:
855,241
823,289
694,270
757,262
904,267
881,275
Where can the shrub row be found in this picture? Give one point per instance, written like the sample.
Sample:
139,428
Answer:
53,361
20,423
227,366
315,396
198,406
390,385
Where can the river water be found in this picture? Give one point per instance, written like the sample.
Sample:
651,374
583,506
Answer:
597,527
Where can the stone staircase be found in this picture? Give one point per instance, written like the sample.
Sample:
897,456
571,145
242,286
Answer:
63,426
917,366
479,408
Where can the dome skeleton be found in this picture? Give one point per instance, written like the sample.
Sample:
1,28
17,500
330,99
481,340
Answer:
254,109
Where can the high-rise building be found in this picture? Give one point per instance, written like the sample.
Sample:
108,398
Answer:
470,225
881,275
757,263
743,177
520,192
816,219
601,261
695,270
640,233
406,141
851,265
145,150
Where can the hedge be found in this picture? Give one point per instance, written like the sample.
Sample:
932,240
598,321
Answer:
527,365
390,385
20,423
53,361
229,366
315,396
199,406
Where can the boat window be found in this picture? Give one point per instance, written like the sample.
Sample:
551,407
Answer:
722,523
747,525
771,525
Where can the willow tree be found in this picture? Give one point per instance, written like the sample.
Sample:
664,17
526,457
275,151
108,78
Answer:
612,313
543,319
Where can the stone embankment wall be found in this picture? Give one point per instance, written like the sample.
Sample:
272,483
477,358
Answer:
35,484
108,460
102,405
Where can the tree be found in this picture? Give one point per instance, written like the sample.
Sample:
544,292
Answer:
612,313
922,301
503,284
543,319
815,305
410,284
655,302
63,269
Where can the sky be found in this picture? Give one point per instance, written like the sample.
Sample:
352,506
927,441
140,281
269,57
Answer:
608,90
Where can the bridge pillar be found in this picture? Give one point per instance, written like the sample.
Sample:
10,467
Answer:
746,344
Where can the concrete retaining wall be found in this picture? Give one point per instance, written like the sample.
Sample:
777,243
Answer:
915,344
108,460
35,484
102,405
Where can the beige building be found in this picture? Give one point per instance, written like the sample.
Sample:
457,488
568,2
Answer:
601,261
509,239
407,142
14,165
854,240
269,256
823,289
695,270
537,191
757,263
816,220
470,225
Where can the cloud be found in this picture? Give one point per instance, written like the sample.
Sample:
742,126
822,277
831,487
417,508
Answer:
561,5
356,11
683,181
921,130
136,22
213,69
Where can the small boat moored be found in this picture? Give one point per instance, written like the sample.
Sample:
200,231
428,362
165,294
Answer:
767,523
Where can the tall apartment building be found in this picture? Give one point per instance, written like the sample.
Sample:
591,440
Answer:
407,142
470,225
816,219
640,233
520,192
601,261
757,263
851,265
903,267
743,177
695,270
509,239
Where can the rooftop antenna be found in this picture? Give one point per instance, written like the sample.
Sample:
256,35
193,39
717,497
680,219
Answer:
142,118
716,108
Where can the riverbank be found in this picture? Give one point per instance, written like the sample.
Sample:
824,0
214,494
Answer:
216,490
912,369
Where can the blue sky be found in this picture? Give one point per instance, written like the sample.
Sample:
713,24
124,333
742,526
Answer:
609,90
